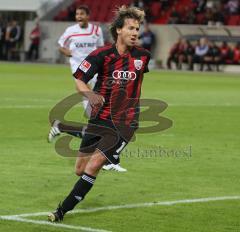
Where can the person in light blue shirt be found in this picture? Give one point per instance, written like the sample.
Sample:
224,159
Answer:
201,51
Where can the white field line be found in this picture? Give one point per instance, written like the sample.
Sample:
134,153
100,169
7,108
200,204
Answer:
39,222
22,217
131,206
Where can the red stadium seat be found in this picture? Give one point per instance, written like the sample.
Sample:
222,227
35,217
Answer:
200,18
63,15
234,20
155,9
80,2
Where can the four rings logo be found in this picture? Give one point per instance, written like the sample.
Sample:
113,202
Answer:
124,75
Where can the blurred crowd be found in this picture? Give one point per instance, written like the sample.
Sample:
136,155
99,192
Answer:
195,12
10,39
208,12
208,54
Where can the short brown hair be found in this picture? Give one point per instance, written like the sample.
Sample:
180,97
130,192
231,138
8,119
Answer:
123,13
84,8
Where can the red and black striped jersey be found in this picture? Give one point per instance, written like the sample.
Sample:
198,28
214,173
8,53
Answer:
119,81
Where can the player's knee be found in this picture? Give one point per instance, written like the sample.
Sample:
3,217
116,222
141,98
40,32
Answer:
79,171
93,167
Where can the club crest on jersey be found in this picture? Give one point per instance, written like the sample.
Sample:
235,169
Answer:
85,66
138,64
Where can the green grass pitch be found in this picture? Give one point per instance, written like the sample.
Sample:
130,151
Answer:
205,110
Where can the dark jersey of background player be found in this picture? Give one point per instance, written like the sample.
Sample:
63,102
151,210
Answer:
119,82
147,38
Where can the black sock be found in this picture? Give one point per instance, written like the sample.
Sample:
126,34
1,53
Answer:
75,131
117,161
81,188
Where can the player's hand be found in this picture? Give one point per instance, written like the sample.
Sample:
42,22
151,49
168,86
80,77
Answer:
95,99
69,53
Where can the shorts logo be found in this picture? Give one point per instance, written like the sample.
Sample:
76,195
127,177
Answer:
124,75
85,66
138,64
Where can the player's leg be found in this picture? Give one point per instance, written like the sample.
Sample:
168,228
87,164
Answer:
95,163
97,159
58,127
86,181
84,184
108,166
81,188
101,144
81,163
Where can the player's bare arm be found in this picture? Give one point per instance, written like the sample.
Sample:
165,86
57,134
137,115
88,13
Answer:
94,99
65,51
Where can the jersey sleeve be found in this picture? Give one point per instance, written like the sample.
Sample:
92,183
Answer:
89,67
100,41
146,69
62,41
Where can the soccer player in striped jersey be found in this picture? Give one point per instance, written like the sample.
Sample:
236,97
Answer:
114,100
78,41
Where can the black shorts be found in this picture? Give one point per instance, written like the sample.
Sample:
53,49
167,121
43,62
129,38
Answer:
103,136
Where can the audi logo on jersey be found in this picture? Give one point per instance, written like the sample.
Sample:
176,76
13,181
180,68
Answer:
124,75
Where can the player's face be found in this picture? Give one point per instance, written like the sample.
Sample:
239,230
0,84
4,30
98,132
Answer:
128,34
82,17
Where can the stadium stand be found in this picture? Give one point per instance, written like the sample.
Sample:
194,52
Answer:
205,12
224,26
209,12
101,11
186,51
